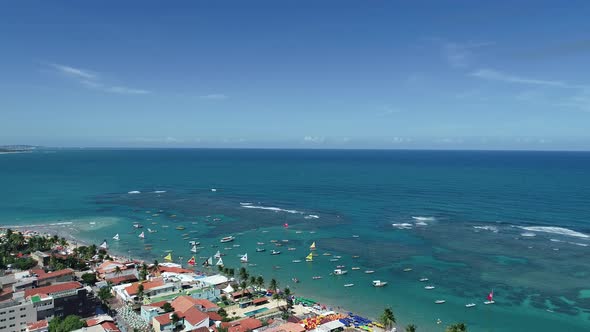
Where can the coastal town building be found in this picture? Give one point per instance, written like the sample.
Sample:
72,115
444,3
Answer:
69,298
38,326
15,314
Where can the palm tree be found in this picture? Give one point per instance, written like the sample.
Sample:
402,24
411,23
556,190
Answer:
260,281
286,296
140,292
457,327
155,267
118,271
244,284
253,281
144,272
243,273
387,318
273,285
411,328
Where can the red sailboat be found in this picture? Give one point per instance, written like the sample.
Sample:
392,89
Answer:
490,298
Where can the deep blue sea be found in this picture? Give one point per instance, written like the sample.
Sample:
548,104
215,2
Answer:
517,223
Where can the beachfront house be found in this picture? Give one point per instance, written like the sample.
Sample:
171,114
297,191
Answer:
149,311
64,299
153,288
189,320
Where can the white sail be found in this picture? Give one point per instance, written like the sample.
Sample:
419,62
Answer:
217,254
219,262
104,245
142,235
116,237
244,259
210,261
194,248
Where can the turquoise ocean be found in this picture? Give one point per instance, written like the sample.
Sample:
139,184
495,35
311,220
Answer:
517,223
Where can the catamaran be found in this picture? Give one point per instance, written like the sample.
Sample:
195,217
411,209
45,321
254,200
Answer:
219,262
244,258
141,236
116,237
217,255
104,245
275,252
227,239
309,258
490,298
194,248
312,247
151,230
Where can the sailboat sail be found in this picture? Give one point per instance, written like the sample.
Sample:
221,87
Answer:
116,237
210,261
219,262
142,235
312,247
217,254
104,245
168,257
491,296
194,248
244,259
191,261
309,257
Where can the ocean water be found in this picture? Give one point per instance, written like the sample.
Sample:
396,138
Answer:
517,223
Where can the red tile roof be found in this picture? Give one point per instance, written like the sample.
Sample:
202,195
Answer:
206,304
108,266
194,316
98,320
158,304
287,327
201,329
173,269
214,316
53,288
110,326
164,319
132,290
239,293
42,275
243,325
122,279
183,303
260,300
40,324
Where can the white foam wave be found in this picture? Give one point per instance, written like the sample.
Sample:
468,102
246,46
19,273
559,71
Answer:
487,228
555,240
420,218
556,230
244,204
403,225
579,244
134,192
421,223
528,234
311,216
159,191
271,208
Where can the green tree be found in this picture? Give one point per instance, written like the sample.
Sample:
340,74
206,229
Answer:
167,307
260,281
273,285
104,294
457,327
89,278
143,272
244,286
411,328
387,318
155,268
118,271
140,292
70,323
222,313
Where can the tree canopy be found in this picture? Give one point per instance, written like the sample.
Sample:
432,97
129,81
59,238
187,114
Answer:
70,323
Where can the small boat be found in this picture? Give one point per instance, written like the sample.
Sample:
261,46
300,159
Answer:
337,257
116,237
217,254
151,230
356,256
327,254
334,260
216,219
213,189
354,268
429,287
295,280
369,271
339,272
298,232
251,264
312,246
316,277
490,298
141,236
244,258
408,269
228,248
275,252
285,241
423,279
260,249
440,301
340,266
348,285
260,243
137,225
219,262
274,241
355,236
470,305
291,249
227,239
309,258
180,228
194,248
379,283
296,261
236,245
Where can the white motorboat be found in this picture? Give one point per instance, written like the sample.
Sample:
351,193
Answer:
440,301
379,283
227,239
470,305
429,287
340,272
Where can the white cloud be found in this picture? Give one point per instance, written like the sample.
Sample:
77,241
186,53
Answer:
461,55
579,101
92,80
494,75
214,96
314,139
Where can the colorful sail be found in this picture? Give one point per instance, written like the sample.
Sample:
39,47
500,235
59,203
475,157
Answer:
491,296
142,235
286,225
116,237
309,257
312,247
168,257
104,245
191,261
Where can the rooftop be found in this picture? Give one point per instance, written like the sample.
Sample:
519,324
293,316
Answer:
133,289
57,288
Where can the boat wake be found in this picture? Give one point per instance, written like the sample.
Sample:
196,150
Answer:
311,216
420,218
404,225
487,228
270,208
159,191
134,192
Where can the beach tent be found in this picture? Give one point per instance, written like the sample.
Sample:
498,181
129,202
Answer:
330,326
229,289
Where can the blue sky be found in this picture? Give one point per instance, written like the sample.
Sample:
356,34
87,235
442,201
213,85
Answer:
303,74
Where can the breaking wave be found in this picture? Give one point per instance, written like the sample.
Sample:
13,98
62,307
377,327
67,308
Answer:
271,208
134,192
420,218
556,230
311,216
159,191
528,234
403,225
487,228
